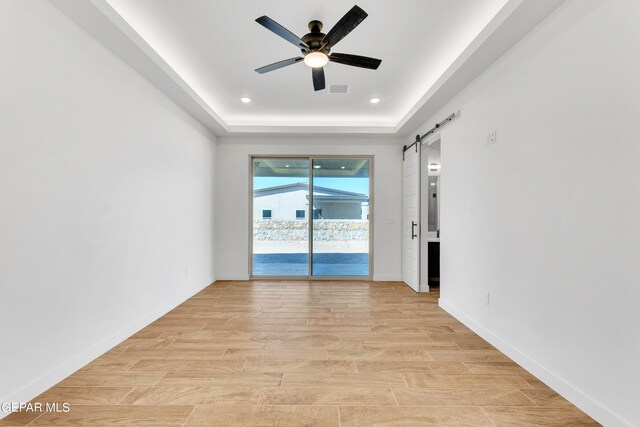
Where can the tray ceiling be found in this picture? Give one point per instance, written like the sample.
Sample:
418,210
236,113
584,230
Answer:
203,53
215,47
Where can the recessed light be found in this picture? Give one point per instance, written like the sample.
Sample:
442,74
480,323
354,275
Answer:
286,166
433,184
317,166
374,100
245,99
341,167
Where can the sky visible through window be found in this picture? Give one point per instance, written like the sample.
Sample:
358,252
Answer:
355,185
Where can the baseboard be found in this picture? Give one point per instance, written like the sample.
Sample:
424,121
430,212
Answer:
387,277
582,400
57,374
376,277
233,277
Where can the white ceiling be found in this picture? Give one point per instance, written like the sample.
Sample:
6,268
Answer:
202,53
214,46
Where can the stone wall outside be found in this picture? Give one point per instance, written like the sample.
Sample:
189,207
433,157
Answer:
324,229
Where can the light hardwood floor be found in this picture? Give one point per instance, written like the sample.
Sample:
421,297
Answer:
305,354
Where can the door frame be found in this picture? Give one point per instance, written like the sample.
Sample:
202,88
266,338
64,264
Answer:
311,158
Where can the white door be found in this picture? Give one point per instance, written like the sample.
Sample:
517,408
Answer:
410,215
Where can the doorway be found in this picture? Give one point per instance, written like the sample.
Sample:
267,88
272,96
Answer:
311,217
430,213
421,214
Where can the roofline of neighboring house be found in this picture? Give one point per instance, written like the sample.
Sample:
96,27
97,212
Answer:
340,199
302,185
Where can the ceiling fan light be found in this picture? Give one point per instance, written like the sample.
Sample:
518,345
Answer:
316,59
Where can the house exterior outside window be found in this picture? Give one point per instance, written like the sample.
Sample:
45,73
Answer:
285,203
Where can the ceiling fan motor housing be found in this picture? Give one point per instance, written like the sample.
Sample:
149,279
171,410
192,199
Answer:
314,38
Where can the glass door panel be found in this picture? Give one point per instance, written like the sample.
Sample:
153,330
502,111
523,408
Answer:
280,217
340,244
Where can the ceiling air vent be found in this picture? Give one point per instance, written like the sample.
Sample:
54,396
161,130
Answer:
338,88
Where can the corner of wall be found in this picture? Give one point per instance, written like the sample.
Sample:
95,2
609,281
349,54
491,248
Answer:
60,372
576,396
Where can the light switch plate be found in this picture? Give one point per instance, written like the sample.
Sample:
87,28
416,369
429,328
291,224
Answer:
492,137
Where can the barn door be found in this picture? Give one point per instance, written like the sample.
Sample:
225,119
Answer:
410,217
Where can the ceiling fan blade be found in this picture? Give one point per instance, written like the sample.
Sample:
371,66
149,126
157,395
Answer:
355,60
318,78
278,64
273,26
345,25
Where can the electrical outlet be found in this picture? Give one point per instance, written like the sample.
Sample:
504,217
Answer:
487,299
186,270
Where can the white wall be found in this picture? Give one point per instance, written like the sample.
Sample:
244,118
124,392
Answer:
106,207
232,174
548,219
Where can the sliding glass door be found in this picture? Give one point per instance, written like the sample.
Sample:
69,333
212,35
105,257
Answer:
340,244
280,221
327,198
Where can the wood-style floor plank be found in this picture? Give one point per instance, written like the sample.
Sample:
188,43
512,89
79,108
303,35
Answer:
352,416
327,396
264,415
342,380
193,395
297,353
302,366
460,397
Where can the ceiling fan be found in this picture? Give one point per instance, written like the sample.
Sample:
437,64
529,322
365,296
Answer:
316,46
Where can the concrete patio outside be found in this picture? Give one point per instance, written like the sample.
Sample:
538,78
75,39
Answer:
290,258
